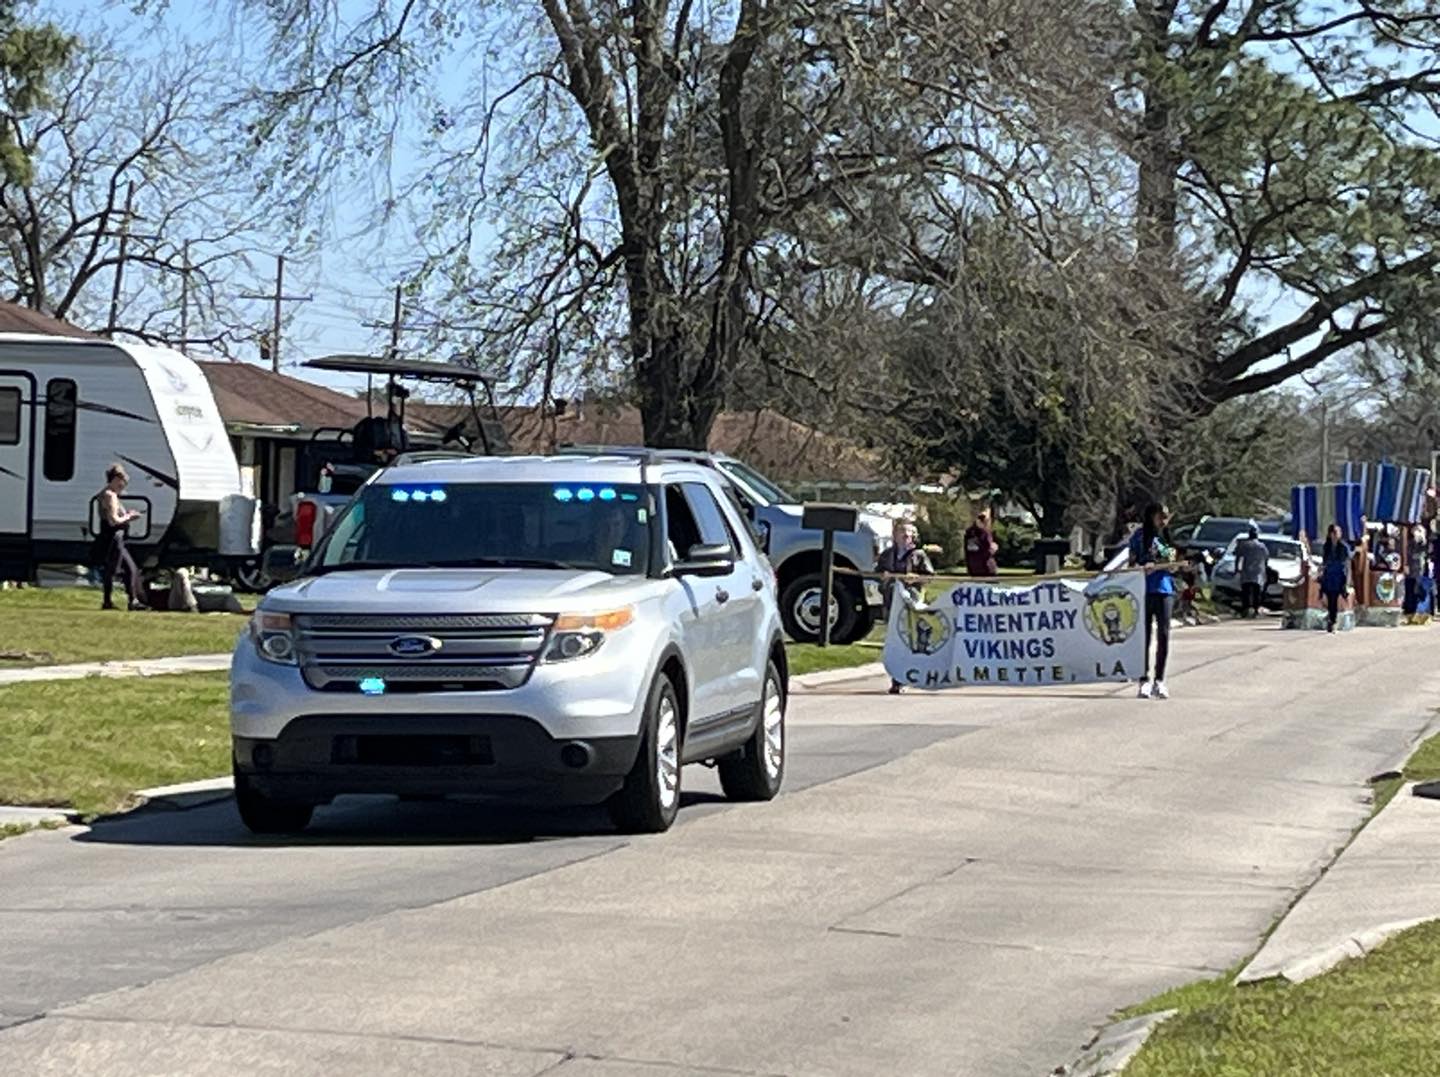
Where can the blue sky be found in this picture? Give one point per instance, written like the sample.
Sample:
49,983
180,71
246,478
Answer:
352,278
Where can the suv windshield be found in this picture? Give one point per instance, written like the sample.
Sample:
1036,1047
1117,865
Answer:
521,525
748,477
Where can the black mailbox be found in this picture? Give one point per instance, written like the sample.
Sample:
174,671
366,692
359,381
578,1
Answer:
822,517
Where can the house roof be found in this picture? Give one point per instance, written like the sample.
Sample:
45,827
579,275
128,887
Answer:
17,319
250,395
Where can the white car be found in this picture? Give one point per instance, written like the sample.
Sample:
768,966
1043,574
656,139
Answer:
1286,561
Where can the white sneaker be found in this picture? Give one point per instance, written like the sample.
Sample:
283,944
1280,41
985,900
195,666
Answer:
1146,689
1161,692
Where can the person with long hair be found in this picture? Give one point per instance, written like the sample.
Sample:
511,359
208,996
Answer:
1150,546
1334,573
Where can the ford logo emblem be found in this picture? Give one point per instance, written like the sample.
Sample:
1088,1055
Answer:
414,646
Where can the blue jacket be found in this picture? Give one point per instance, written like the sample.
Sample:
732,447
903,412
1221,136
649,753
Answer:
1156,583
1334,571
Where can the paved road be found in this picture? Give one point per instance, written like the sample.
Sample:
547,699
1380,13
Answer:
966,884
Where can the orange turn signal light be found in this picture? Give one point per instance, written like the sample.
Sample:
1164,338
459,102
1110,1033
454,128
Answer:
608,621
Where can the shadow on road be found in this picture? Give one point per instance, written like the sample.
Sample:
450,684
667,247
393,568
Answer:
361,821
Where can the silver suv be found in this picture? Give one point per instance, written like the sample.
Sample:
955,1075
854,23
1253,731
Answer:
569,629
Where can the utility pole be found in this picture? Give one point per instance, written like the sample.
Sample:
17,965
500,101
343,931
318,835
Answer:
279,298
395,327
1324,442
184,296
120,261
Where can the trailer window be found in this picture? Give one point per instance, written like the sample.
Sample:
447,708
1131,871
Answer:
9,416
60,430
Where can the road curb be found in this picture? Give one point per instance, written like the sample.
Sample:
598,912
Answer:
1325,959
1116,1045
187,795
838,676
29,816
1396,769
1355,944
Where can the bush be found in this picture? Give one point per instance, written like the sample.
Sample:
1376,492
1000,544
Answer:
1017,543
942,522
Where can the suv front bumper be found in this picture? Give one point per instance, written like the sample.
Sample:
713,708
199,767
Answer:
319,757
570,733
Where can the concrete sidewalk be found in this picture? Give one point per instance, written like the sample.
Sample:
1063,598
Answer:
144,667
1387,880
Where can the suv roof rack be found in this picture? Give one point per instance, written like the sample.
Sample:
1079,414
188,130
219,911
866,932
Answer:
635,451
424,456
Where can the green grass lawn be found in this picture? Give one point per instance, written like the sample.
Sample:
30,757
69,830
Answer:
810,658
88,744
46,626
1373,1017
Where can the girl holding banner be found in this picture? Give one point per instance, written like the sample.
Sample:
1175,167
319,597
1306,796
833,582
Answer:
1148,547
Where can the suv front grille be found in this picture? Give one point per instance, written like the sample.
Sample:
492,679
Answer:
456,652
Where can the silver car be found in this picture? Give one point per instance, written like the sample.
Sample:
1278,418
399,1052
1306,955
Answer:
551,629
1286,562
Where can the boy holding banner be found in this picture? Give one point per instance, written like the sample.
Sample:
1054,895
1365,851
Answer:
905,557
1148,547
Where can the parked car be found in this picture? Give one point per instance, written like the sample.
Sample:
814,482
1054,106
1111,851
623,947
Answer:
1286,564
795,551
1211,536
551,629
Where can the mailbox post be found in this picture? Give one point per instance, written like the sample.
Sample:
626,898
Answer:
829,519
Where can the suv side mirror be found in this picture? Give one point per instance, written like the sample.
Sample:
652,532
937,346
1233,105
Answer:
283,563
717,559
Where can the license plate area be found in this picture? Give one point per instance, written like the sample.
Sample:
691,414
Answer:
411,750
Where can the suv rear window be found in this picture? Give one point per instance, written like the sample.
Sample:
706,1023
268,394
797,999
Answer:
1219,532
561,525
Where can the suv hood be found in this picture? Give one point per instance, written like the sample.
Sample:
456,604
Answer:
456,590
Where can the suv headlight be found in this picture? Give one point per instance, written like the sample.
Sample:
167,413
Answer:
273,636
576,635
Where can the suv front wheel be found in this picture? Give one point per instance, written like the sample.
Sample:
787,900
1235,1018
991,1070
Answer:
261,815
756,770
650,798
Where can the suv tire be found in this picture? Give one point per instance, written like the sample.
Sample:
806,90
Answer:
757,770
261,815
800,610
650,798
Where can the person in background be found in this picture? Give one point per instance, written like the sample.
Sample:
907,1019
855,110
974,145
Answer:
1334,573
1252,561
1416,568
981,547
115,522
1149,547
904,557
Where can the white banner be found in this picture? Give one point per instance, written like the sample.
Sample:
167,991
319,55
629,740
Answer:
1054,632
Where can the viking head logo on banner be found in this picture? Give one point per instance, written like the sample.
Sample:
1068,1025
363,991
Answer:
924,631
1111,615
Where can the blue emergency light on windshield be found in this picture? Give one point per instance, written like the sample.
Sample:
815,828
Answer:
629,497
421,494
585,494
373,686
564,494
607,494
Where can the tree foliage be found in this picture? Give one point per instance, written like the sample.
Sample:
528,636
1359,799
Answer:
30,53
131,168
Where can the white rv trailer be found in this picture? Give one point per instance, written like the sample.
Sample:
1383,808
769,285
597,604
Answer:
71,407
